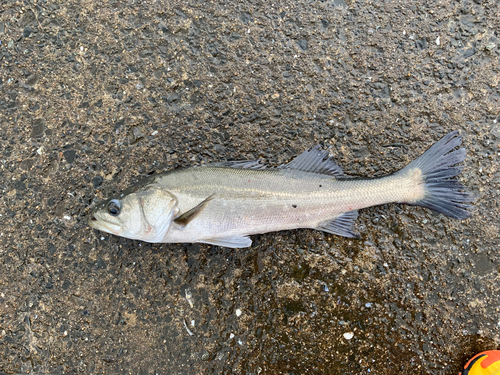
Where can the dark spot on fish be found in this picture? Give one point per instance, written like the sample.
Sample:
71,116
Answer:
294,205
320,185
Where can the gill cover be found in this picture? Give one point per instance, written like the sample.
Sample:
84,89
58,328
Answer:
157,210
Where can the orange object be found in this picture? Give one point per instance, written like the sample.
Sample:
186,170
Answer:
484,363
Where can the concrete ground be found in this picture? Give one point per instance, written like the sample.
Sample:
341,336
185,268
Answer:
95,95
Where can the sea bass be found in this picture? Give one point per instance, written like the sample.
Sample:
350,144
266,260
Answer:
223,203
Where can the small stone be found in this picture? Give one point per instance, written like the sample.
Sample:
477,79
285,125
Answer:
245,17
348,335
27,32
69,155
97,181
19,185
101,264
32,80
470,52
205,356
66,284
421,44
238,312
38,128
135,135
490,46
303,44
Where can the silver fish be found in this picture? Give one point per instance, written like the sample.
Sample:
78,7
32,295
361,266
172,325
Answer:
222,204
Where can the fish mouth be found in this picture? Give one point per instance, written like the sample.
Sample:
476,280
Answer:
93,222
101,224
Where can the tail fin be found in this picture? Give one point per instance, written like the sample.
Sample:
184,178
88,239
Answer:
443,193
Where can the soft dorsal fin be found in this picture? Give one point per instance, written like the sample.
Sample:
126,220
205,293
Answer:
315,160
187,216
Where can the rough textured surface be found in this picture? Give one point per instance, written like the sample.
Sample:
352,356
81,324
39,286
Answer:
97,94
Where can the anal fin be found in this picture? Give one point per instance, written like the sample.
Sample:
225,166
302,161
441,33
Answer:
341,225
232,242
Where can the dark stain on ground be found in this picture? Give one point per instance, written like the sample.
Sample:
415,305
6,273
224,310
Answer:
97,95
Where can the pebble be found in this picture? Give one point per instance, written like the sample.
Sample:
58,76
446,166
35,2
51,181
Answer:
238,312
38,128
69,155
97,181
27,32
303,44
32,80
348,335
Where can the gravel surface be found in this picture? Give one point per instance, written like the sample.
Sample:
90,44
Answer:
95,95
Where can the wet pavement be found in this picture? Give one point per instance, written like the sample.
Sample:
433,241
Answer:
95,95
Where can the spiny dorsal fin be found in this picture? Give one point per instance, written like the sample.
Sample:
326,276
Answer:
341,225
247,164
315,160
187,216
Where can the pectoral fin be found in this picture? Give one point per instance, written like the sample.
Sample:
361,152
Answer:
341,225
233,242
187,216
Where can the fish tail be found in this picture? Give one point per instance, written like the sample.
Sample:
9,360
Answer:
438,166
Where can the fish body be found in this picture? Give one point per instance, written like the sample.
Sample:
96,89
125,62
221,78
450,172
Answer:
222,204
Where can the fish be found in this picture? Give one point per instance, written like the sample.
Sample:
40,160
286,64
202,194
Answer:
224,203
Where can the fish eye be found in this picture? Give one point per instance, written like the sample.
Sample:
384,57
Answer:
114,207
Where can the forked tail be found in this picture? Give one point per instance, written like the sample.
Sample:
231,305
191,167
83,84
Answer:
438,166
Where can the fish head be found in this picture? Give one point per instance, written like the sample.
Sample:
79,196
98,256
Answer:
145,214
